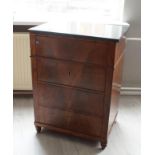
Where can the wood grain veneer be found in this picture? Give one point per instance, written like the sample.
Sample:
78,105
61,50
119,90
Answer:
76,83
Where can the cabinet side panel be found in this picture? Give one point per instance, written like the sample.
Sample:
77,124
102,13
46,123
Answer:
116,83
108,87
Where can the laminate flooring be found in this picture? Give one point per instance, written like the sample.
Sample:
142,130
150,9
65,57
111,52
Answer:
124,138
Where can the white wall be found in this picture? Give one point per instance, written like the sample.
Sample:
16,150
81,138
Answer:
132,61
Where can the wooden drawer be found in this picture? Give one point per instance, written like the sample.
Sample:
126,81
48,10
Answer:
70,73
86,124
70,99
71,121
72,49
53,117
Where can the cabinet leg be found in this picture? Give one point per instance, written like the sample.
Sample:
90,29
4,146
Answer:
38,128
103,145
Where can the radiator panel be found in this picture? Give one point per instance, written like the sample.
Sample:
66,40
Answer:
21,62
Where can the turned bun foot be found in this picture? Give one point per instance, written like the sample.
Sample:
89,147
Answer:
38,129
103,145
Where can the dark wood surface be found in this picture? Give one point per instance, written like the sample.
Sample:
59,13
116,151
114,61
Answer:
50,70
70,99
81,50
22,28
76,84
116,82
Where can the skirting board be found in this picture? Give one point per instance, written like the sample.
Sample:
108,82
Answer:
124,91
130,91
22,92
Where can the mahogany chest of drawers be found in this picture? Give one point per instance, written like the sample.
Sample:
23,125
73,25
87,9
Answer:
77,79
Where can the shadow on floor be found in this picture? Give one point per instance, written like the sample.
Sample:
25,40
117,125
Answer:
50,140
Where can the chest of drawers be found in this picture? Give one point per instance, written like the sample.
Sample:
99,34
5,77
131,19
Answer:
76,82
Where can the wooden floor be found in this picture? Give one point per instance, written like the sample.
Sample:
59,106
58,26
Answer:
123,140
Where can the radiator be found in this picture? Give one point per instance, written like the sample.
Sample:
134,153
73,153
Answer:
21,62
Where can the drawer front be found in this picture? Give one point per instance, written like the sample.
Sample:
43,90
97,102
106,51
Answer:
53,117
71,121
72,49
70,99
85,124
71,73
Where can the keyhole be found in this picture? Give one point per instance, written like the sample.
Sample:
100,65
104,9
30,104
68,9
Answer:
69,73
